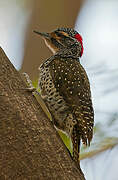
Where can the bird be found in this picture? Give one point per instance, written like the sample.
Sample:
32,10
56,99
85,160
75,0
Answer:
65,87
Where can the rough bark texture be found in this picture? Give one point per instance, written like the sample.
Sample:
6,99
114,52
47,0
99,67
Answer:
30,147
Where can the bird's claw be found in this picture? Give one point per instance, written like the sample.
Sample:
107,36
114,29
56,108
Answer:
30,87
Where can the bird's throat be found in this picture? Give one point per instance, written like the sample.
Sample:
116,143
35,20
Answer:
51,46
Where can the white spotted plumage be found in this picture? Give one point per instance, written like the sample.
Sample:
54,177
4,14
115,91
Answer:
65,87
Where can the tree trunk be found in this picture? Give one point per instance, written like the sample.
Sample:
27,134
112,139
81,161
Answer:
30,147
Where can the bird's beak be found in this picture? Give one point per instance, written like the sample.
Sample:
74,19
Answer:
44,35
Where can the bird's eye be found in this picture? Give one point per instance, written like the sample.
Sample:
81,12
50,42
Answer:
62,34
58,34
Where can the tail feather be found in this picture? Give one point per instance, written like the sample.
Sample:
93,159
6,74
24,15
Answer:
76,144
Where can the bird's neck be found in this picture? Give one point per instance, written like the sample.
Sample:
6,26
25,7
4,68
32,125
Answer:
73,51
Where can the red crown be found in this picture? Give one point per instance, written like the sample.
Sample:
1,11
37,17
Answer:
79,38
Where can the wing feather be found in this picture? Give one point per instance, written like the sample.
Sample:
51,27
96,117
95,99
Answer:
72,83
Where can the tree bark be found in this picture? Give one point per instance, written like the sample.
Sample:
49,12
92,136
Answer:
30,147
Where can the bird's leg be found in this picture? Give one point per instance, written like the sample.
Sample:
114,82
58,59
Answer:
30,87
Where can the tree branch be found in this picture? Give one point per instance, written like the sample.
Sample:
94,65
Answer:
105,145
30,147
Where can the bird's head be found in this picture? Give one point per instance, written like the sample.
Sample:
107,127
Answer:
63,38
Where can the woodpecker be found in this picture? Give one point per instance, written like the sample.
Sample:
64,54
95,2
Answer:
65,87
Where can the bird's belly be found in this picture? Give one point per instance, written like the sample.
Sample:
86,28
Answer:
54,101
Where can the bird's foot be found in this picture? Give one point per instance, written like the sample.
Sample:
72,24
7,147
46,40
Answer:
30,87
